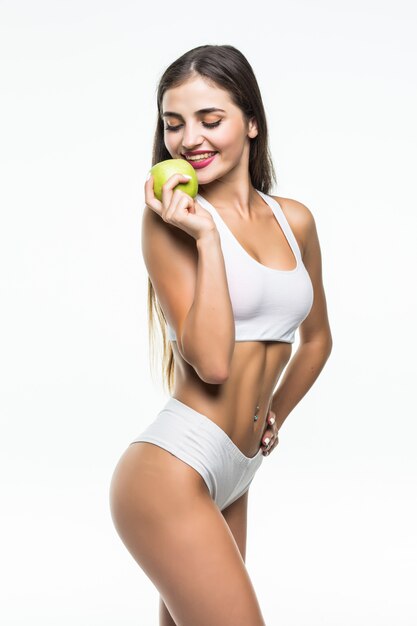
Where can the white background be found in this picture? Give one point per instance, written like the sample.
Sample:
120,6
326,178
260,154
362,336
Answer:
332,515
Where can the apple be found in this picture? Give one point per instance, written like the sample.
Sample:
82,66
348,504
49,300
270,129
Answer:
165,169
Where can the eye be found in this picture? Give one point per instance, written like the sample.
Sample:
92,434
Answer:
205,124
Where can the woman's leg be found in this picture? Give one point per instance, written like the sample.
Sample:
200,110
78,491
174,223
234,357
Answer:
236,515
165,617
165,516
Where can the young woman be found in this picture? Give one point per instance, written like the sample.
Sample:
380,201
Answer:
233,273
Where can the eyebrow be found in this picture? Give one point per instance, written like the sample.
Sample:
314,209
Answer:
199,112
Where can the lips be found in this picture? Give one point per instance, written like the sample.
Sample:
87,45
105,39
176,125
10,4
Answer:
199,163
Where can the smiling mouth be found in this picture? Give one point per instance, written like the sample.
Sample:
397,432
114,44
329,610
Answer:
199,157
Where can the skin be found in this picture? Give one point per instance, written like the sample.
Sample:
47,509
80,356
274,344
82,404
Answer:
201,533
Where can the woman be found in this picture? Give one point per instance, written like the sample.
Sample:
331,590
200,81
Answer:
235,272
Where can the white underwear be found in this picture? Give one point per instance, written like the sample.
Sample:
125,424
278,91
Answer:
198,441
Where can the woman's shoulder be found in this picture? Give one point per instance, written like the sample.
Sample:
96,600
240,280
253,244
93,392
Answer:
299,217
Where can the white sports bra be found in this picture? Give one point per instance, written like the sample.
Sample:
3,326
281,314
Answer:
268,304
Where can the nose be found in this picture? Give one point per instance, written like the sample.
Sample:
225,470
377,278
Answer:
192,137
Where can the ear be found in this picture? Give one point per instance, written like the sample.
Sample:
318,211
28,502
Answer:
252,128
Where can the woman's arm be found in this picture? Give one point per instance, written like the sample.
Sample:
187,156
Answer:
189,278
209,331
315,336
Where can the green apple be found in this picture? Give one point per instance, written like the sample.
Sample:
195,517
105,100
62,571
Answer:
165,169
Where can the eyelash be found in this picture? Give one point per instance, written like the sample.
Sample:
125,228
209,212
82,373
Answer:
206,124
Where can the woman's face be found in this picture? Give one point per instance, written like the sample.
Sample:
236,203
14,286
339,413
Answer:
189,129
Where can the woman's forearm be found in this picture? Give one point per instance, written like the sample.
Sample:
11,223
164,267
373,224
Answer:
300,374
209,332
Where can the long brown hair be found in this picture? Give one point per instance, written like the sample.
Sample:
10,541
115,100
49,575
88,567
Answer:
227,67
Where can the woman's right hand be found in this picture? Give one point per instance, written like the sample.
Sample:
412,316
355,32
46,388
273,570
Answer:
178,208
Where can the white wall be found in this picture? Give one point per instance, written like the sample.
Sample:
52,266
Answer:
333,511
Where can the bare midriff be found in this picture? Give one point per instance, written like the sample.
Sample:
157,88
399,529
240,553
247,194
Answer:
253,375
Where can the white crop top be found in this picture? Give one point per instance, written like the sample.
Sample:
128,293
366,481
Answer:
268,304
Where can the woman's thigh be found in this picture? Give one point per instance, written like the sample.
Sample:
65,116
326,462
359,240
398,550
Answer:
236,516
165,516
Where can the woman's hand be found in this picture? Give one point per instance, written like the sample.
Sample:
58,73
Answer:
270,435
178,208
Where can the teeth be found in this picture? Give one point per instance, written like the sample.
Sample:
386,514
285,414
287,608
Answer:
199,157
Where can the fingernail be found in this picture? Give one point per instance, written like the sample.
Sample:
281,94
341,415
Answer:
272,420
186,176
148,176
266,441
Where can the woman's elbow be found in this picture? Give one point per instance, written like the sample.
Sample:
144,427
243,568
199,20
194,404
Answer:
329,342
327,347
212,373
213,376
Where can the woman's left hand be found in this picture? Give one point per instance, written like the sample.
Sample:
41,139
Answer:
270,436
